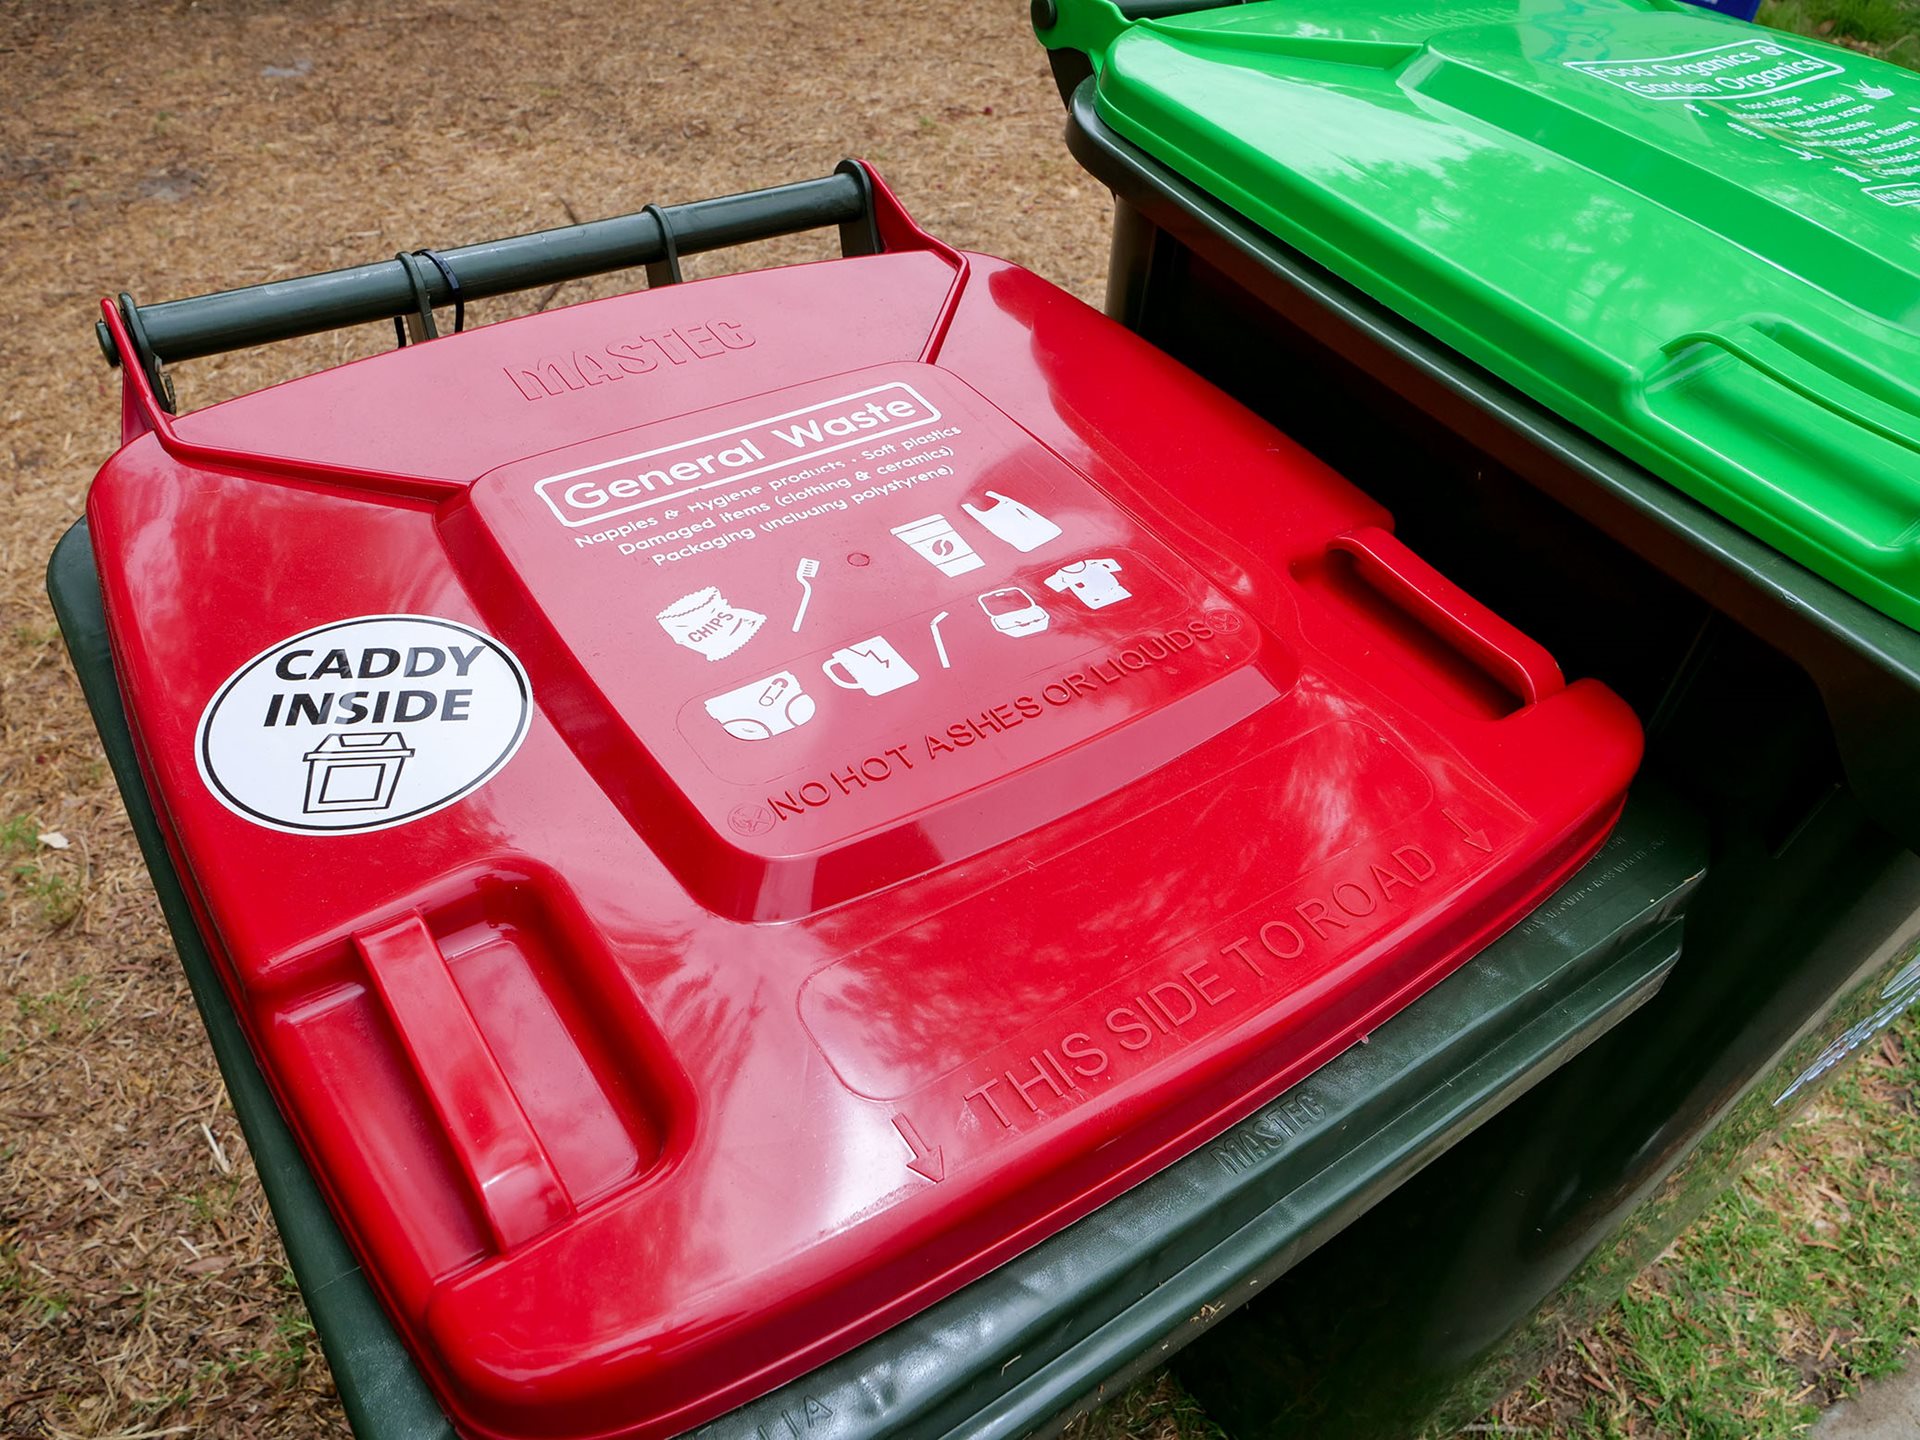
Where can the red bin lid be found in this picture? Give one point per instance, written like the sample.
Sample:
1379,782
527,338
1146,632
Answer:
729,810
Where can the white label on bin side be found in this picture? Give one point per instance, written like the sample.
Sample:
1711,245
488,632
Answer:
363,724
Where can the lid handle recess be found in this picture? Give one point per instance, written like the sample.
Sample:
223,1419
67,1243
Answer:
1878,417
1520,665
508,1169
1820,438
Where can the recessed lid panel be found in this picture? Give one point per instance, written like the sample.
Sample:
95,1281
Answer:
840,616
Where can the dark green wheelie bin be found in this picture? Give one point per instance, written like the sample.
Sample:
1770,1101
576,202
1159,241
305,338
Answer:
1050,1333
1046,1334
1614,304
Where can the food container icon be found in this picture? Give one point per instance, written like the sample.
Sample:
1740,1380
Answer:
1013,611
355,770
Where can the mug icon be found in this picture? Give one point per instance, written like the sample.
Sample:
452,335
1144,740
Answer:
871,665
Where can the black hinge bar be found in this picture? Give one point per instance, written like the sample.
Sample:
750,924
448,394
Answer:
284,309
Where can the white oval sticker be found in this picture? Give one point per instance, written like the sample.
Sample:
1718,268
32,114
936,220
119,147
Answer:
363,724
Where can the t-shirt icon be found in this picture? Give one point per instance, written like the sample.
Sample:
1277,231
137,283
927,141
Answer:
1091,582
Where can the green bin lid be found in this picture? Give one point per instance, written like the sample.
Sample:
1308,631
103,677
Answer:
1695,238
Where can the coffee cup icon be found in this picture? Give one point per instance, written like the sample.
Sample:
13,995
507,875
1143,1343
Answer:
935,541
871,665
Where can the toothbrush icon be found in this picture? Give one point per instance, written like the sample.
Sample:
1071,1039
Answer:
804,573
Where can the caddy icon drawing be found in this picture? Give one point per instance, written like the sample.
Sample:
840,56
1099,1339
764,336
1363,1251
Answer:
355,770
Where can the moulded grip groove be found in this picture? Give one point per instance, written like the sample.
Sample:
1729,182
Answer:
1520,665
513,1178
1902,426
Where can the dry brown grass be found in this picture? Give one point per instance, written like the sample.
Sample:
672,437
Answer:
180,147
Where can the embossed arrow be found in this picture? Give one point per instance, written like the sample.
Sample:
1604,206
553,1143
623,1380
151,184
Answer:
1476,838
931,1163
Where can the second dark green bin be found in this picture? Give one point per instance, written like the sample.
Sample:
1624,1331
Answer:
1458,255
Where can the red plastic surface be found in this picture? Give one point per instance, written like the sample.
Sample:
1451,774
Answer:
1097,764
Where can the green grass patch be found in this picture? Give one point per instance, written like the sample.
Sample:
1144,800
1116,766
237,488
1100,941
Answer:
1801,1282
18,835
54,1012
1889,29
1798,1284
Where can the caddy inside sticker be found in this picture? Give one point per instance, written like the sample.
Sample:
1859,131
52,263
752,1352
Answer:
363,724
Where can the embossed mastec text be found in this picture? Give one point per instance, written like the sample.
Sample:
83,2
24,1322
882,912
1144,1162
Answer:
1269,1132
677,345
607,488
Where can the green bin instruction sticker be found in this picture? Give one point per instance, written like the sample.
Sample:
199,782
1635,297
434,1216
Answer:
1903,194
1747,67
1863,130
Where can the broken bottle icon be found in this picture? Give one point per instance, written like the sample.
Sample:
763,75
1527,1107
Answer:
355,770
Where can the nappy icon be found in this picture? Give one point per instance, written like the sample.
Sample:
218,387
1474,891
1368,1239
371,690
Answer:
764,709
706,622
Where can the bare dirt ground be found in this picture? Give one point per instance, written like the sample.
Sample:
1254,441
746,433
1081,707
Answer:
180,147
175,148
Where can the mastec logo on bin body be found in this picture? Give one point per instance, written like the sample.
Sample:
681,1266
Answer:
595,493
